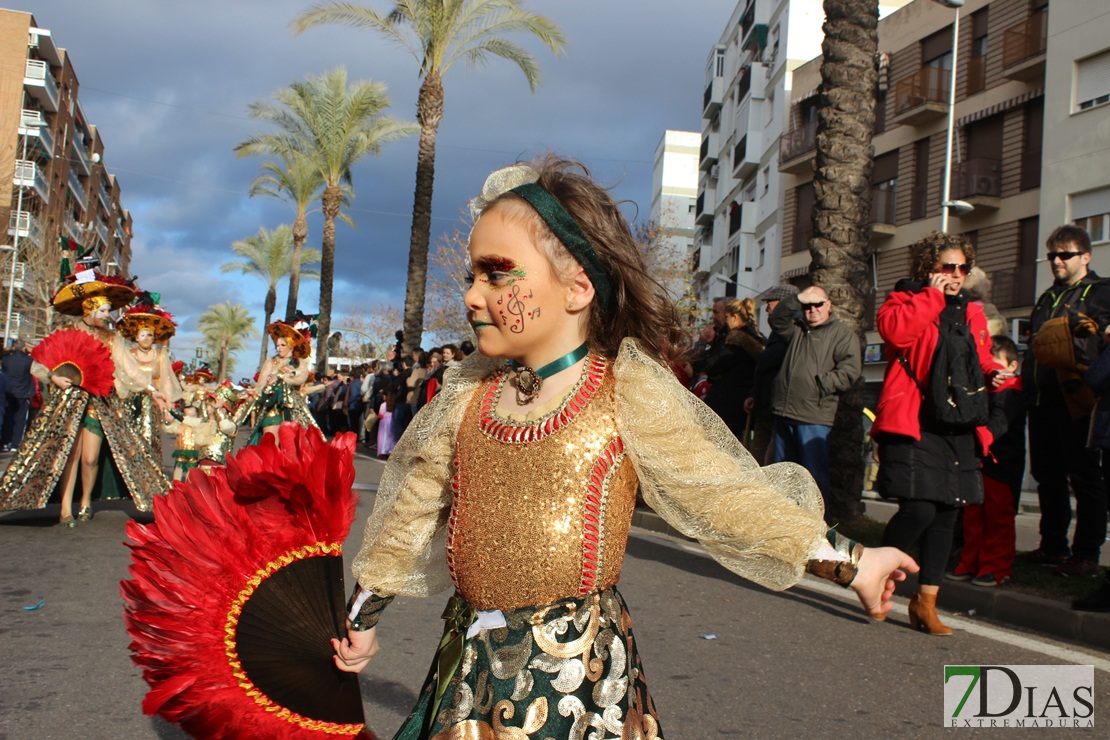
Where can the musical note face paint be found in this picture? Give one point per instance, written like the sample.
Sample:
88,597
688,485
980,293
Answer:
514,300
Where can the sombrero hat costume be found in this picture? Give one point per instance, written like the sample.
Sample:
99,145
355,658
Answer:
70,299
201,375
147,314
297,338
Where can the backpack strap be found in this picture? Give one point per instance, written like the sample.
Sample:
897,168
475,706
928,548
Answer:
905,363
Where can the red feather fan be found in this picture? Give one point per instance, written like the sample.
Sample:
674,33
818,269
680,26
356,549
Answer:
79,356
236,588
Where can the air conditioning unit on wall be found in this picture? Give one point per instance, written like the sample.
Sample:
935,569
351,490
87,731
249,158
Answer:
715,171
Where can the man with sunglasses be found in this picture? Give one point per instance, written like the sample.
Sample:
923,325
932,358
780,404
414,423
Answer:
822,361
1060,410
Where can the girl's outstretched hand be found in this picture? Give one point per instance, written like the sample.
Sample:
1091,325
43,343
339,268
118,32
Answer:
353,652
880,568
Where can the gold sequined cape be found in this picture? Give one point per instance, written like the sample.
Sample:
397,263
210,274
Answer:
761,523
146,415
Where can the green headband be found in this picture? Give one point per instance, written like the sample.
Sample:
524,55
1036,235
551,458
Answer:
566,229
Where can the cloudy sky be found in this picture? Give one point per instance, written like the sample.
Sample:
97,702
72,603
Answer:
168,85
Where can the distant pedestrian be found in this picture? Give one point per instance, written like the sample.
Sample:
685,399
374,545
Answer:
731,370
822,361
930,467
21,389
989,538
767,366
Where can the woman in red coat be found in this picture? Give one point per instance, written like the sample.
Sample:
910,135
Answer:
932,470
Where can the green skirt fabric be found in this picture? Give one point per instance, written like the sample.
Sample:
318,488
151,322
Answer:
569,669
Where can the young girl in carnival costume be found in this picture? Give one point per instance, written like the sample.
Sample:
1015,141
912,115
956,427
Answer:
517,483
68,436
149,327
277,392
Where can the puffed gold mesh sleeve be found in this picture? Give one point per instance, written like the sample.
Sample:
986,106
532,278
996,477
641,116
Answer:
168,383
404,549
764,524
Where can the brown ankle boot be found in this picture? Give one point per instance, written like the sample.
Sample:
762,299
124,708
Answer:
923,615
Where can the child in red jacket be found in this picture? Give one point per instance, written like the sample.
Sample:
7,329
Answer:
987,557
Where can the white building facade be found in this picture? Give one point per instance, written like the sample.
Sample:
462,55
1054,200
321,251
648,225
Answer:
674,192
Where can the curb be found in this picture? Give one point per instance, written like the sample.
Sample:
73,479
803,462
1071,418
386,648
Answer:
1021,611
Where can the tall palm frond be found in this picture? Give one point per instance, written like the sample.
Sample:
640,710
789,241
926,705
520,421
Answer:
439,33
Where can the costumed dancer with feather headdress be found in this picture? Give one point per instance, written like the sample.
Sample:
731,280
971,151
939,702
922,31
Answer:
91,373
277,393
150,327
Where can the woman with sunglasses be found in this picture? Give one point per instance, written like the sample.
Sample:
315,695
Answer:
930,468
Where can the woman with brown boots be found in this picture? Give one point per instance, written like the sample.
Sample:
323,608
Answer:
925,430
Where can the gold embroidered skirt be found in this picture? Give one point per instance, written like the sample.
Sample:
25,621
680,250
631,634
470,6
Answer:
37,466
569,669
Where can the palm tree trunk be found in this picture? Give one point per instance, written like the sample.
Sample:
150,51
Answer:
332,200
429,113
222,366
271,304
300,233
842,216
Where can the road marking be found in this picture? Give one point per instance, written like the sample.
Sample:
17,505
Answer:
1044,645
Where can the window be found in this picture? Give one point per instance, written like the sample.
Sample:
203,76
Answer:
762,252
919,196
690,208
1092,84
981,173
1091,211
880,111
769,109
977,65
805,198
766,175
1033,130
884,188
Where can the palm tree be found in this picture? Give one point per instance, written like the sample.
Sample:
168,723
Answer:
439,33
333,126
270,255
226,327
842,216
298,181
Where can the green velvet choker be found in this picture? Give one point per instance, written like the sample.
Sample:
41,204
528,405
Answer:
529,381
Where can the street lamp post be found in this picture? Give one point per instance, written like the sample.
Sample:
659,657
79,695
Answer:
947,204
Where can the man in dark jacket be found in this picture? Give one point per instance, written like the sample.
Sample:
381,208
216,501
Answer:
822,361
1060,410
21,389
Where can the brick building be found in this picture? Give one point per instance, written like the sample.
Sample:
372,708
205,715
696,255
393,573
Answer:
53,180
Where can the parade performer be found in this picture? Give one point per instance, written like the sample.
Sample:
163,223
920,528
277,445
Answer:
149,327
69,433
277,392
517,482
220,407
184,424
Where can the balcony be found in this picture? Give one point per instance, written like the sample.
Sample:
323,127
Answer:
78,190
73,229
40,84
81,157
102,193
34,124
711,101
735,218
797,148
1023,49
979,182
744,83
29,175
25,226
707,156
20,273
884,211
701,214
101,230
922,97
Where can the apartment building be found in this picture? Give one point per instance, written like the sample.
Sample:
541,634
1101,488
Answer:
997,148
1075,184
54,184
674,192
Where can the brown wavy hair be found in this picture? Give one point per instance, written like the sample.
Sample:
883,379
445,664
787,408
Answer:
642,308
925,254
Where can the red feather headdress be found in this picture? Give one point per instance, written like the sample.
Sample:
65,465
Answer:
79,356
218,594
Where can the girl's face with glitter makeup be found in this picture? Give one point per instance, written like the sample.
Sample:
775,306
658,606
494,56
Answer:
516,303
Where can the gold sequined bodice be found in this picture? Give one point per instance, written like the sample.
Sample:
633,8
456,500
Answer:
146,366
541,510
